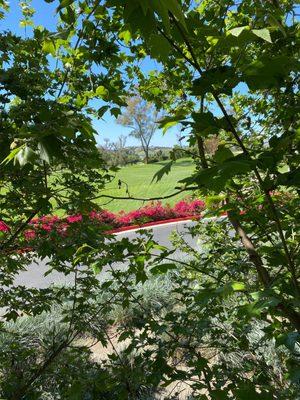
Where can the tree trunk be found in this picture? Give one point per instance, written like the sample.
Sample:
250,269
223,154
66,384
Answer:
146,156
201,152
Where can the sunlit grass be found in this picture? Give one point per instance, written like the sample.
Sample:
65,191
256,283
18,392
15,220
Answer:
138,179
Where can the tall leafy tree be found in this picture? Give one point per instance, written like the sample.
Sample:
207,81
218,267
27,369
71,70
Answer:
141,117
49,164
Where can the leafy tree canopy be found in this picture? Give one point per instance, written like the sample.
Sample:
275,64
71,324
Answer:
227,70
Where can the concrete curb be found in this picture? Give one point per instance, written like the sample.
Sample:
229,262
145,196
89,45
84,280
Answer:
152,224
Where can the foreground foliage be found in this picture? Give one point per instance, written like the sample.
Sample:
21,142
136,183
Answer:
227,70
172,333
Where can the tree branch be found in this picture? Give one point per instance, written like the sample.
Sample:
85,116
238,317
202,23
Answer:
249,247
144,198
200,142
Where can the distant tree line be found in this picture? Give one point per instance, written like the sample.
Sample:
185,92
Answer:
142,118
116,153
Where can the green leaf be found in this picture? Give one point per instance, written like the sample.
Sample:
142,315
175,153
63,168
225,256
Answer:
11,315
222,154
205,123
102,110
167,122
219,394
125,36
217,177
236,166
68,16
283,168
25,156
162,268
160,8
26,22
289,340
237,31
268,72
49,47
238,286
247,391
139,17
276,22
159,47
230,288
175,8
237,37
97,267
64,3
86,128
101,91
49,147
115,111
291,178
44,154
64,99
124,335
221,80
12,155
263,34
294,373
163,171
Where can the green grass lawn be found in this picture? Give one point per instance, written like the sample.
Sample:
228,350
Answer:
138,178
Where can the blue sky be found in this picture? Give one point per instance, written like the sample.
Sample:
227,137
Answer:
107,127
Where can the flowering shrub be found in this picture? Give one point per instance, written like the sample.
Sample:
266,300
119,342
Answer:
56,227
104,217
186,209
30,234
74,218
4,227
151,212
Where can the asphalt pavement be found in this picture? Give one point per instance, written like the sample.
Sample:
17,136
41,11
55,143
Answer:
34,276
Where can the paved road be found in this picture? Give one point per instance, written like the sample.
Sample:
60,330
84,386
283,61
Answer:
34,275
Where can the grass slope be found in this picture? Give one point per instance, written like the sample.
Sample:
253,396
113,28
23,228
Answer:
138,178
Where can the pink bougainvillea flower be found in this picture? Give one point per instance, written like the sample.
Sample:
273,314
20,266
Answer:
74,218
45,218
188,208
46,227
154,211
62,229
4,227
49,219
104,217
93,215
151,212
29,235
